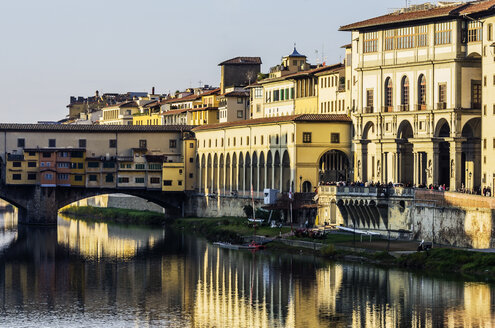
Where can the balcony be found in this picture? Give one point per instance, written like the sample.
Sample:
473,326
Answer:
404,108
368,109
475,105
387,109
442,105
421,107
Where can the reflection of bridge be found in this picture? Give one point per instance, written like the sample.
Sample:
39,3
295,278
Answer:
38,205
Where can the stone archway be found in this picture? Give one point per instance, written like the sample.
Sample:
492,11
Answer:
285,172
333,166
262,172
405,152
442,131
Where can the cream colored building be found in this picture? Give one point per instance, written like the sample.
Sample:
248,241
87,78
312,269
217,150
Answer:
416,91
295,151
331,90
119,114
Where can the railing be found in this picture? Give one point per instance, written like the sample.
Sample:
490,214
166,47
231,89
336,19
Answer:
442,105
420,107
366,191
387,109
368,109
404,108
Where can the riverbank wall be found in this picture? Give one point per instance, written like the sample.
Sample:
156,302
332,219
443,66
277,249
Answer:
120,201
218,206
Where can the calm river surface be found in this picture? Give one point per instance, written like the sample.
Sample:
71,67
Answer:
98,275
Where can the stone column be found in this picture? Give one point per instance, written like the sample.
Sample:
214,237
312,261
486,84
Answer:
416,168
455,165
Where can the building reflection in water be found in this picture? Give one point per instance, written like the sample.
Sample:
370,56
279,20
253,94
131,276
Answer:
96,239
100,274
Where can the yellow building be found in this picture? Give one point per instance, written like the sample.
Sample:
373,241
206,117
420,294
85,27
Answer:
206,112
297,151
150,115
77,172
22,169
173,177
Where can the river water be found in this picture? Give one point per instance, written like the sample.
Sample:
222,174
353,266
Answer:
102,275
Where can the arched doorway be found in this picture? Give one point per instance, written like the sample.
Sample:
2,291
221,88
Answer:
247,174
334,166
228,188
307,187
405,152
215,174
365,164
443,131
240,171
221,182
234,171
269,168
262,172
276,170
255,172
285,172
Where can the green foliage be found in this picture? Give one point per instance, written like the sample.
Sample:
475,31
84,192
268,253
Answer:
248,210
328,251
115,215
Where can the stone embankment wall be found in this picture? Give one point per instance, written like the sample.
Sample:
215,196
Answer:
447,218
204,206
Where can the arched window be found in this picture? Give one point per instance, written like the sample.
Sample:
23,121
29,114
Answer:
388,95
404,94
422,92
490,32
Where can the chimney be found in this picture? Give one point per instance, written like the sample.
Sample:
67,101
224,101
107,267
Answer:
153,90
97,93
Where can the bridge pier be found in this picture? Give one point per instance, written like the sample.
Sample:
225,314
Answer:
40,207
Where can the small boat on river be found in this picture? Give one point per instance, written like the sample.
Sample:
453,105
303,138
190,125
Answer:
252,246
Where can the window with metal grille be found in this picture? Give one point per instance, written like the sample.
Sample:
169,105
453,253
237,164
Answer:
306,137
422,90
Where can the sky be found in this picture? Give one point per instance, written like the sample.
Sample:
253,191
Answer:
53,49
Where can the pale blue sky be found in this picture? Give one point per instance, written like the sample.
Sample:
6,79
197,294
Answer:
52,49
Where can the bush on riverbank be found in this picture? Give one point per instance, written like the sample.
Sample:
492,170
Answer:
227,229
115,215
450,260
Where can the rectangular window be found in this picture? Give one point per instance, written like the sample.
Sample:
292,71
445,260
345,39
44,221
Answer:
52,143
306,137
173,143
108,165
370,42
490,32
240,114
109,178
422,35
112,143
276,95
82,143
78,178
140,166
390,40
475,95
442,93
62,176
31,176
48,176
405,38
155,166
475,31
80,166
335,138
93,164
258,93
16,177
443,33
154,180
31,164
167,182
93,177
369,101
484,143
123,180
142,144
179,182
21,142
63,165
16,164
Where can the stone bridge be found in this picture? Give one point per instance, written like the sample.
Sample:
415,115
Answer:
361,207
40,205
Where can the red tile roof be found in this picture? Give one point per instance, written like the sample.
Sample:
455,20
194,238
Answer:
478,6
278,119
183,99
237,93
242,61
443,11
210,92
202,108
